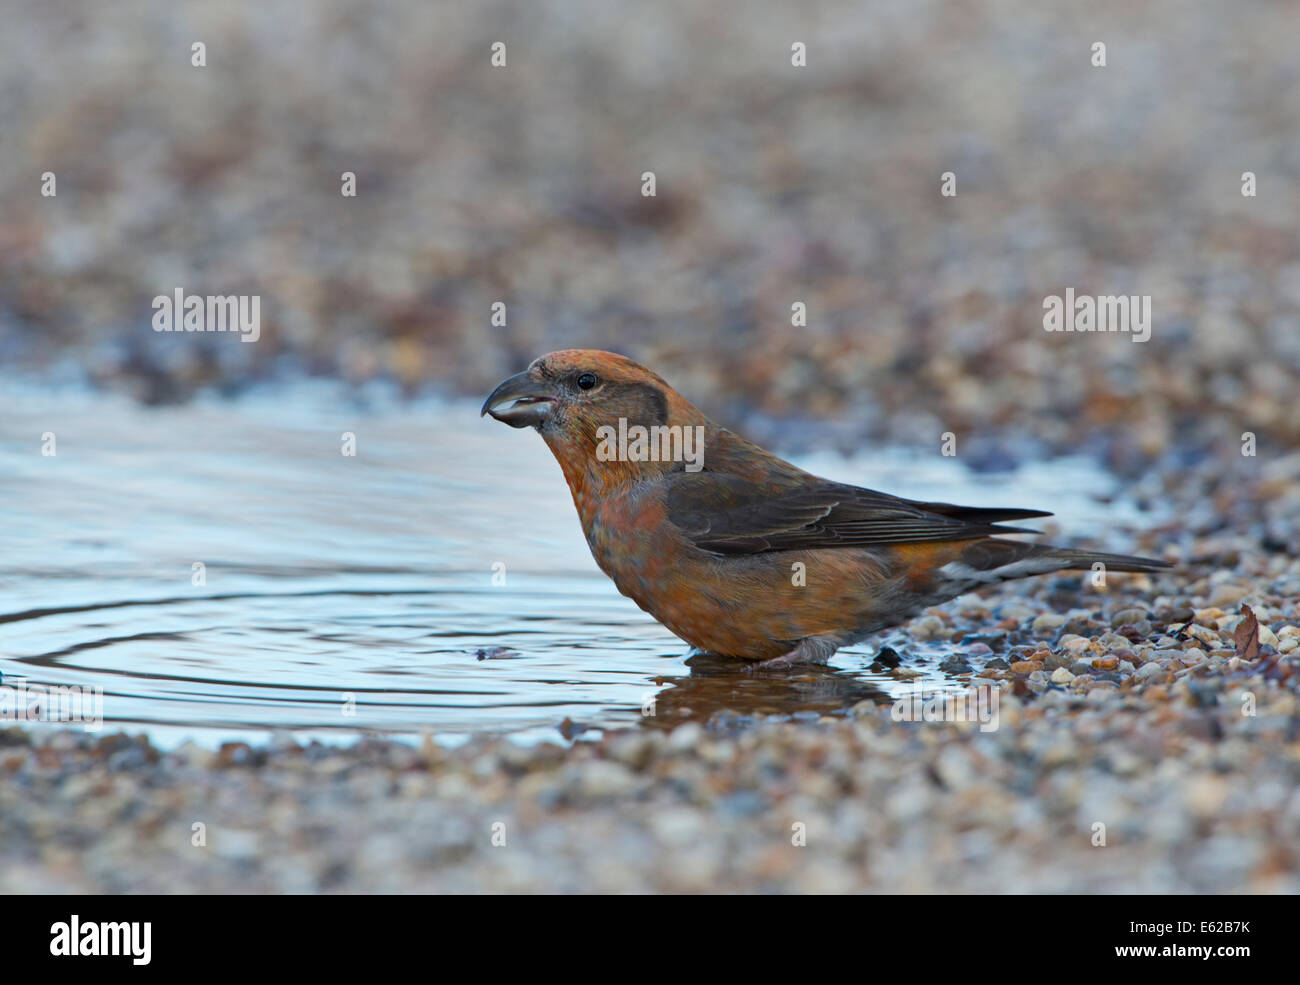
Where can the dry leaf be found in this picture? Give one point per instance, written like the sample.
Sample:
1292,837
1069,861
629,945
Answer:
1246,635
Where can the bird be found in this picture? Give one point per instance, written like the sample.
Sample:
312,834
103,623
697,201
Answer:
739,552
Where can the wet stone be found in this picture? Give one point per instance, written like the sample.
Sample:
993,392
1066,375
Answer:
887,657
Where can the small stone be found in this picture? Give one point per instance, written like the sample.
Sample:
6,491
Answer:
1080,626
686,737
1048,621
634,750
1201,694
1227,594
1114,643
887,656
926,628
1126,616
236,754
1016,611
602,779
195,755
1074,644
1134,632
1061,676
1206,636
128,758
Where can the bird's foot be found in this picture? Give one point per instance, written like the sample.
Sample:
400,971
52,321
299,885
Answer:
810,650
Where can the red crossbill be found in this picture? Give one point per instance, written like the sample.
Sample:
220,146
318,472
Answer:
736,551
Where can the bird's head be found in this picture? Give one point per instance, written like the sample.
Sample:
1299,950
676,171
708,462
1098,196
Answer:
579,398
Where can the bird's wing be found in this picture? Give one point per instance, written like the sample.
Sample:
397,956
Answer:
749,502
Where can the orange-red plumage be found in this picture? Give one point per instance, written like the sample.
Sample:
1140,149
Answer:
735,550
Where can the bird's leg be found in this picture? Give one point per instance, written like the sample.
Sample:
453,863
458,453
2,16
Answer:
809,650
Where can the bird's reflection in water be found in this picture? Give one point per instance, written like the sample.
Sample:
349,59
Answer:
720,692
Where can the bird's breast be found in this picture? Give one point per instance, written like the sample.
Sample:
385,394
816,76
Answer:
631,540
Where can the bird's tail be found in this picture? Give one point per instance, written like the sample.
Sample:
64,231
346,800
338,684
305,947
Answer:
993,560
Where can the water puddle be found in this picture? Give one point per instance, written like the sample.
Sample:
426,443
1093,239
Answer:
348,594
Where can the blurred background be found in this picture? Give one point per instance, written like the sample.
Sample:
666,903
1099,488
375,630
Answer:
775,184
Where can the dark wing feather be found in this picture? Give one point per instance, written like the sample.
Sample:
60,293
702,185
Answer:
743,504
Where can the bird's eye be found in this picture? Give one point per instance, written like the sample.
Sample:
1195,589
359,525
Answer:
586,381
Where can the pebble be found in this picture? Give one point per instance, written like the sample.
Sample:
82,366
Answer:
1207,636
1016,611
1227,594
927,628
1054,660
604,779
685,737
1125,616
